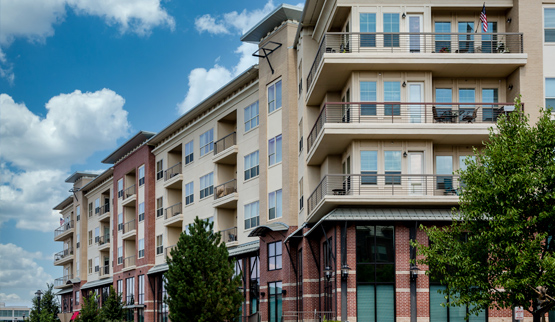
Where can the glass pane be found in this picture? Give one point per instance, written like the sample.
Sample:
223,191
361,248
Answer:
369,160
438,313
385,273
549,35
550,102
278,149
385,298
366,303
392,160
463,160
444,164
278,94
443,42
278,204
550,87
365,244
466,45
366,273
367,24
549,18
368,94
480,318
385,250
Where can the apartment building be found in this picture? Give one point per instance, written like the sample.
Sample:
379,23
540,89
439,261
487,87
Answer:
319,164
13,313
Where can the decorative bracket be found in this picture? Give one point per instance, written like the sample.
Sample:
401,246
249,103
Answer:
266,50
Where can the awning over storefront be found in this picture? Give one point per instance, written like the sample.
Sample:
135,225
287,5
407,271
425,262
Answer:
244,249
262,230
74,316
296,233
158,269
67,290
107,281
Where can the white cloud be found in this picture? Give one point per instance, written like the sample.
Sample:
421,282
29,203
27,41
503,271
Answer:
209,24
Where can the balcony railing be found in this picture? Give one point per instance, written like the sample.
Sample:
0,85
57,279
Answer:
416,42
172,171
104,270
63,228
225,189
103,240
225,142
64,253
129,261
62,280
392,184
169,249
404,112
229,235
104,209
174,210
129,192
129,226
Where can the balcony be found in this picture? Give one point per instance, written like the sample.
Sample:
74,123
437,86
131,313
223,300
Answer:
64,231
130,196
173,177
104,215
168,250
129,263
63,257
225,149
129,230
104,271
229,236
444,54
225,195
104,242
382,189
444,123
174,215
62,282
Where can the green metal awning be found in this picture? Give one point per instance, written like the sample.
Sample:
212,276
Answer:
243,249
158,269
101,282
261,230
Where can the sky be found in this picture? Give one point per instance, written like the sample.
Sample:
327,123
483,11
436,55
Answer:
80,77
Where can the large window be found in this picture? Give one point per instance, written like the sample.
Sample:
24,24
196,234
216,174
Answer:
444,170
120,221
489,42
392,165
391,25
251,165
466,42
141,211
444,95
368,94
189,193
120,287
254,283
489,95
78,213
189,149
141,248
206,142
375,252
159,207
466,95
207,185
159,244
162,295
274,204
443,42
120,255
367,24
274,96
141,297
120,192
251,116
97,206
252,215
130,291
141,175
274,301
274,256
549,24
550,92
159,169
274,150
368,165
392,93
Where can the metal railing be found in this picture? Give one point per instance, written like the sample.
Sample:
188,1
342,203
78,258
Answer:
229,235
129,192
63,228
129,226
64,253
392,184
103,240
129,261
62,280
225,189
406,112
415,42
168,250
104,270
173,210
172,171
104,209
225,142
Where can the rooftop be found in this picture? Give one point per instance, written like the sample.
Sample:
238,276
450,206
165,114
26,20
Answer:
274,19
128,146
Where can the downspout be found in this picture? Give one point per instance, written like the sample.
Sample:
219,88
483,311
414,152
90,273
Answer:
344,281
413,308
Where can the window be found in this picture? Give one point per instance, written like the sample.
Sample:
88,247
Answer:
466,95
301,194
162,296
159,170
96,235
392,165
444,95
97,206
448,314
206,142
90,265
130,291
78,212
120,287
489,95
90,237
367,24
251,165
444,165
549,24
274,301
489,42
391,24
274,204
141,211
392,93
466,43
78,239
120,255
141,289
274,96
120,221
76,297
141,248
301,136
189,193
90,209
189,150
369,167
274,256
159,245
120,188
254,283
443,42
368,94
251,116
274,150
141,175
207,185
550,92
96,264
327,252
20,313
252,215
375,256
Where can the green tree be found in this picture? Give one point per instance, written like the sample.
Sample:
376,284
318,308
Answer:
500,247
48,309
200,282
90,310
112,308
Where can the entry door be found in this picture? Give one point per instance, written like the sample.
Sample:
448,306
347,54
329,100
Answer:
416,166
416,95
415,40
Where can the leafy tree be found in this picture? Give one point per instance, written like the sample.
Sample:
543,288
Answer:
112,308
89,311
200,282
499,250
49,307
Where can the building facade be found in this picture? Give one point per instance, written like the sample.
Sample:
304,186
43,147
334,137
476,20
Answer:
13,313
319,164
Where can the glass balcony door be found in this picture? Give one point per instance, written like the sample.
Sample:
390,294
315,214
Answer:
416,95
416,39
416,166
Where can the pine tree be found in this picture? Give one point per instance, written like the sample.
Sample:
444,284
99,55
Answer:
49,307
112,307
200,280
90,311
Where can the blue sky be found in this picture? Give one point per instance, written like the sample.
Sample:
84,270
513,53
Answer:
78,78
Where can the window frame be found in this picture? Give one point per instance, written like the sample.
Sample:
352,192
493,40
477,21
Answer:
275,255
276,88
159,244
189,193
371,180
545,28
254,170
277,297
252,214
141,211
273,156
189,147
159,169
209,145
141,175
550,92
278,207
159,207
248,112
141,252
206,190
393,180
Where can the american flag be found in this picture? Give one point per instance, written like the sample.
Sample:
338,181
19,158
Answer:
484,18
61,221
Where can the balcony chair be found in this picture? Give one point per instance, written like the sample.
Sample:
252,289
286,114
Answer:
470,118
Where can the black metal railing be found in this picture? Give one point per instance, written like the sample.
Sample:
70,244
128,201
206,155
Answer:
129,261
174,210
64,253
104,270
63,228
62,280
129,192
172,171
225,142
129,226
104,209
229,235
378,185
225,189
405,112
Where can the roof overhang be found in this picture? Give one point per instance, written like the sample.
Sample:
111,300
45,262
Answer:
296,233
78,175
244,248
262,230
97,283
158,269
274,19
62,205
65,291
101,177
137,140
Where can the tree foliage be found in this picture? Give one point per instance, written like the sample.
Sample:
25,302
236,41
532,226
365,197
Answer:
499,248
112,308
49,307
90,310
200,280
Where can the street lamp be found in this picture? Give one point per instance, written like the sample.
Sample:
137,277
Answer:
23,316
345,271
327,272
38,294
